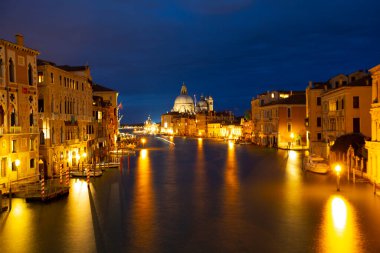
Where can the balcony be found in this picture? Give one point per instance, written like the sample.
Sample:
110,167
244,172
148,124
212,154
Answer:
15,130
33,129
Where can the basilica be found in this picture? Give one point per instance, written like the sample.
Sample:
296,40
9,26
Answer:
190,117
185,103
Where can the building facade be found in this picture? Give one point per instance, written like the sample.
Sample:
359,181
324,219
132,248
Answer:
278,119
337,107
373,146
65,116
19,154
106,119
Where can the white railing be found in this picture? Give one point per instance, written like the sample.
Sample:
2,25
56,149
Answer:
15,129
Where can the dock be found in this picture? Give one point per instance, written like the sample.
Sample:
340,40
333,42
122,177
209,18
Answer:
51,190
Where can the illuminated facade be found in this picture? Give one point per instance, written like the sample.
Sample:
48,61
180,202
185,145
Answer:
188,118
18,111
278,119
373,146
337,107
65,116
106,121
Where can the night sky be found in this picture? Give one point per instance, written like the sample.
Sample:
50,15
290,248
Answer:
229,49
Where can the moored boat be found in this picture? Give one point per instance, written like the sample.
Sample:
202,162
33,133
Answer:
83,173
316,164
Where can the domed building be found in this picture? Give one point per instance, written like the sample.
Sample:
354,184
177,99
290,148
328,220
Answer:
205,104
184,103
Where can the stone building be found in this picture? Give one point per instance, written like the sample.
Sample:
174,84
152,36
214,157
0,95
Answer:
278,119
337,107
106,121
65,116
18,111
373,146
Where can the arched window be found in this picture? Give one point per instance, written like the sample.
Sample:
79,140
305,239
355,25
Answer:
1,116
31,119
1,68
30,74
42,138
13,117
11,71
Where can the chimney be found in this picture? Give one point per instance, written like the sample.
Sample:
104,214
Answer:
19,39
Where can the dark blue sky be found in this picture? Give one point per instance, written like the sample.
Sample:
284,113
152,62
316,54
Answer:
229,49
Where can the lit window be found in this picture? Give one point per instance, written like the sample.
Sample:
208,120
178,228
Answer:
40,77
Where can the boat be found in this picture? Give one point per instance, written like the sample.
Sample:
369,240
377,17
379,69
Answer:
316,164
107,165
83,173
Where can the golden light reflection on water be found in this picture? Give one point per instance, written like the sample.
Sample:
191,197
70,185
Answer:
143,205
293,167
230,174
339,230
20,228
79,220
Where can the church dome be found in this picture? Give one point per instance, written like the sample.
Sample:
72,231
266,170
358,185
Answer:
183,103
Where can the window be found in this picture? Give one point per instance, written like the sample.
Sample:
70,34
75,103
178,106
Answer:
319,136
289,127
60,80
14,167
13,146
42,138
289,112
13,117
41,105
356,125
3,167
342,103
30,74
355,102
40,77
31,118
319,122
1,68
31,144
336,105
51,78
318,100
32,162
11,71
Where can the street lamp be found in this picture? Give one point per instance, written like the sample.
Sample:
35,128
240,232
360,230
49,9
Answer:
143,140
338,168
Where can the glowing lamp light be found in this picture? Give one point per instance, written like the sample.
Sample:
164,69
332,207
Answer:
17,162
77,156
338,168
292,135
84,155
143,140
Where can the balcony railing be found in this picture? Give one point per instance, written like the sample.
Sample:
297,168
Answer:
15,129
33,129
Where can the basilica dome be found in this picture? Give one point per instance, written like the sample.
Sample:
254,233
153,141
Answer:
183,103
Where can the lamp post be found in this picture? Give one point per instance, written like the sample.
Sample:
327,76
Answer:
143,140
338,168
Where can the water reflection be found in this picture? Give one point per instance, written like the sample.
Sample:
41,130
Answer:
143,208
20,229
339,229
232,208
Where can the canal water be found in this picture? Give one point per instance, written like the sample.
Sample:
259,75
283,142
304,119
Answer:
201,196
